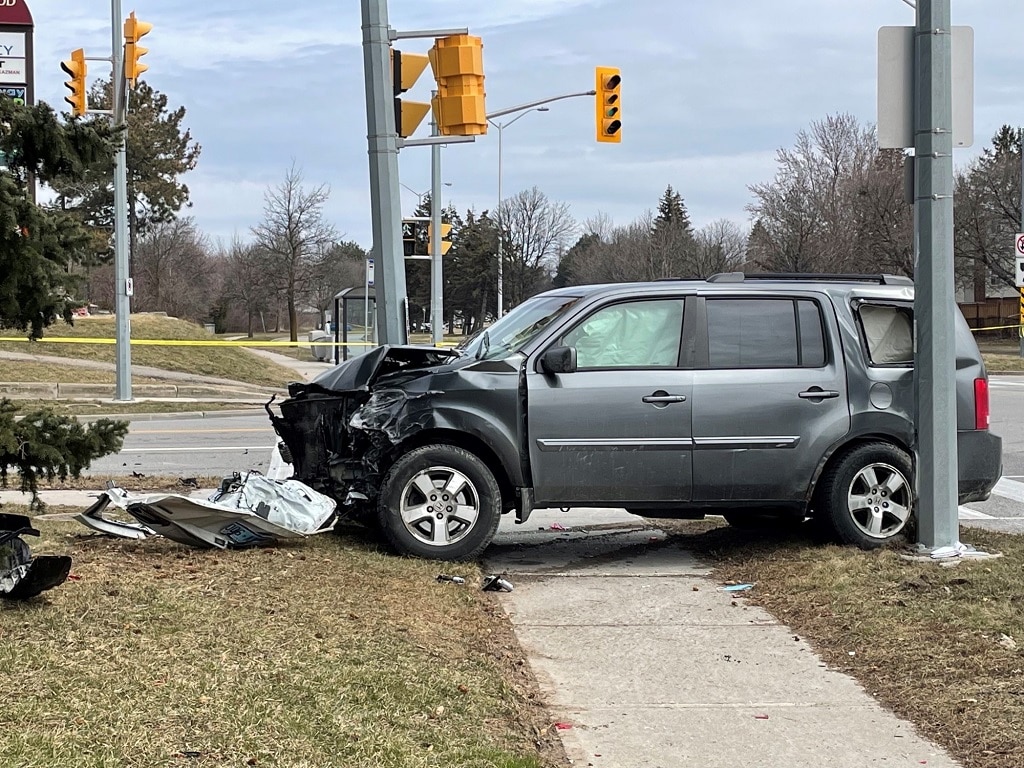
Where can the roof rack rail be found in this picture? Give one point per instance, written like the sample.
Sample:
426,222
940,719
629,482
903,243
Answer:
739,277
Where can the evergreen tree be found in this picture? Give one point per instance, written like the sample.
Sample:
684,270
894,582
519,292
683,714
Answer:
38,246
672,213
471,272
566,273
158,151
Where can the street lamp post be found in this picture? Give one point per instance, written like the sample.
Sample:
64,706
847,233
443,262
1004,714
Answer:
501,235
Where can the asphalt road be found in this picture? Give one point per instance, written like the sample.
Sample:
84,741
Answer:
186,447
221,446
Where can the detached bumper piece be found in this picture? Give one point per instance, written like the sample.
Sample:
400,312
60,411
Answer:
245,512
21,575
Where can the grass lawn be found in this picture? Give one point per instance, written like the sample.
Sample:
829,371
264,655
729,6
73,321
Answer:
324,653
941,647
51,373
1001,355
102,408
234,363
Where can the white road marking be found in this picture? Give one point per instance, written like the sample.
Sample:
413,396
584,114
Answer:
966,513
1009,489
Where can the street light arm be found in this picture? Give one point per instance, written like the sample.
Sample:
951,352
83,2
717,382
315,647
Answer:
532,104
524,113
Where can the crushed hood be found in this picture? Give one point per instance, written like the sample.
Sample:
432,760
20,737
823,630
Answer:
360,373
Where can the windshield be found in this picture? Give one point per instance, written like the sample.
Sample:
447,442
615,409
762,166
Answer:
517,328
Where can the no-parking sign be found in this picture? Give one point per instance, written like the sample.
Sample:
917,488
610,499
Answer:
1018,252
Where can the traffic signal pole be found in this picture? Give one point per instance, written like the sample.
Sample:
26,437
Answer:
436,260
934,302
385,199
122,279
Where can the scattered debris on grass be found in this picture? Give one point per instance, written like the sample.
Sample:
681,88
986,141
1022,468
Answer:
21,575
243,512
495,583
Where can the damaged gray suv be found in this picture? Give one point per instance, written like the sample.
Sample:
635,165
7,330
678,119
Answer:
764,398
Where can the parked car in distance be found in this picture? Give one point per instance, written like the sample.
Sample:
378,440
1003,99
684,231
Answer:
765,398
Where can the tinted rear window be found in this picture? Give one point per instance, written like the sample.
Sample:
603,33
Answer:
765,333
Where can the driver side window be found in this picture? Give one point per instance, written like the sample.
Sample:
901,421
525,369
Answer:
636,334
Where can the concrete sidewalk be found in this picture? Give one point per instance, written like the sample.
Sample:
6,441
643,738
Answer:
652,664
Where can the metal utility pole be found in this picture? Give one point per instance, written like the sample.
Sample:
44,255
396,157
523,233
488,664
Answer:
436,257
934,303
123,288
1020,330
385,200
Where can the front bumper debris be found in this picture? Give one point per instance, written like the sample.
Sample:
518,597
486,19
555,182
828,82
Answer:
21,575
244,512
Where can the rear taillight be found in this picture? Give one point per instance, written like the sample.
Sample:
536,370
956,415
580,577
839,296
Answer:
981,412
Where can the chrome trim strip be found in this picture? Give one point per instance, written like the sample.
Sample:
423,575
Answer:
632,443
734,443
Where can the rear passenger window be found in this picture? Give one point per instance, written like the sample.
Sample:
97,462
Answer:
888,334
765,333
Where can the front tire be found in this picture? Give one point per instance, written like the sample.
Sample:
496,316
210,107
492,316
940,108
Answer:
867,496
439,502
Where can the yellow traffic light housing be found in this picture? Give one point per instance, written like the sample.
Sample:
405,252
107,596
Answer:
134,30
608,109
406,69
77,70
446,242
458,64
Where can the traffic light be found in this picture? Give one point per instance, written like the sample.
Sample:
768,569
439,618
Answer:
412,239
458,64
609,114
76,69
134,30
446,242
406,69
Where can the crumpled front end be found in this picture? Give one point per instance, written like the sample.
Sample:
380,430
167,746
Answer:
339,428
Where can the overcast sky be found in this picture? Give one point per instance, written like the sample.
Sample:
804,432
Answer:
711,89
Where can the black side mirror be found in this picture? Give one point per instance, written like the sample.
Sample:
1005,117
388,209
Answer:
559,360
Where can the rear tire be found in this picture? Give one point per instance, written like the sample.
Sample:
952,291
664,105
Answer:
439,502
867,496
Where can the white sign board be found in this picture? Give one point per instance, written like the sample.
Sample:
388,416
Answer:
12,70
12,45
896,87
1018,244
369,272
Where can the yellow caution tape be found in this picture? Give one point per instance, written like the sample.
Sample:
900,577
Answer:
996,328
195,342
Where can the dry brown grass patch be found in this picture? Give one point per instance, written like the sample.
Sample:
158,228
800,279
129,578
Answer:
328,652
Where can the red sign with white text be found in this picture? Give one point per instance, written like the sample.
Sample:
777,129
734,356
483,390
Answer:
15,12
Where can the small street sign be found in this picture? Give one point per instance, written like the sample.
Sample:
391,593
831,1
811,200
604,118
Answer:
1019,272
1018,244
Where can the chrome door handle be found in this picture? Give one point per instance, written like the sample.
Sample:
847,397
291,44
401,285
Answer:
665,399
816,393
